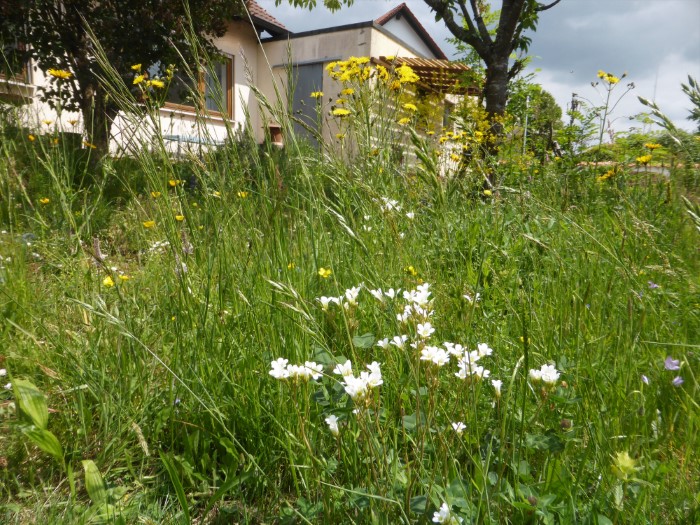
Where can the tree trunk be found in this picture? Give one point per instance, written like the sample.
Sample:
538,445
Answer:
496,95
97,118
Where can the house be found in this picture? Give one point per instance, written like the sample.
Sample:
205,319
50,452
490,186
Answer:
258,52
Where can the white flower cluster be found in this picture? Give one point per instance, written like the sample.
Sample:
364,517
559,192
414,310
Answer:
390,204
548,374
281,369
348,299
467,362
357,387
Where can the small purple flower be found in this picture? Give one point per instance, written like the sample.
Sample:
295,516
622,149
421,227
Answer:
672,364
653,285
677,381
645,379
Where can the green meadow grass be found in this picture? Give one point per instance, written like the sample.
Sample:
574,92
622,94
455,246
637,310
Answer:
141,310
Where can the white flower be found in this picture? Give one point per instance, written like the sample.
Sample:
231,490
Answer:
459,427
428,353
535,375
383,343
315,370
399,341
279,368
475,299
454,349
411,215
378,294
481,372
352,293
497,384
325,302
425,330
332,422
484,349
8,386
344,369
445,516
391,293
3,372
375,374
549,374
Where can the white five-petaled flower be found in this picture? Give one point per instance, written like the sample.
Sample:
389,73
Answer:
411,215
378,294
459,427
326,301
425,330
344,369
279,368
8,386
444,515
547,374
472,299
484,349
391,293
497,384
3,372
383,343
332,422
351,294
399,341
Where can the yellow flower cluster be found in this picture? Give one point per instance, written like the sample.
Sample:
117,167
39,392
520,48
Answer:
316,94
608,77
360,69
608,174
652,146
644,159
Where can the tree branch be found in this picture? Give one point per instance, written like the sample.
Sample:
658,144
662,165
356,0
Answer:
469,36
483,31
542,7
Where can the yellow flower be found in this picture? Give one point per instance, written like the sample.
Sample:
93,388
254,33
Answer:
242,194
31,138
44,200
340,112
47,122
155,194
325,273
123,277
390,58
88,145
430,133
108,282
410,270
340,136
149,224
410,107
136,67
173,182
650,145
340,101
404,121
60,73
644,159
455,157
291,266
156,83
316,94
138,79
179,218
488,193
347,92
217,194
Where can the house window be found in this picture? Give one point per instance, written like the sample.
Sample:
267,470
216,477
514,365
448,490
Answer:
12,64
214,84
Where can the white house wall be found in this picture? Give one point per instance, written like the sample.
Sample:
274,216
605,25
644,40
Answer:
404,32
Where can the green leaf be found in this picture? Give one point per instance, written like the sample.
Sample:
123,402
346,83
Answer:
603,520
550,442
31,402
418,504
177,484
363,341
46,441
93,483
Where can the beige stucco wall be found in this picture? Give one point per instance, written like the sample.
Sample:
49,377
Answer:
404,32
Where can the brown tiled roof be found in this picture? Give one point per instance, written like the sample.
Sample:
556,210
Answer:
417,26
265,20
435,74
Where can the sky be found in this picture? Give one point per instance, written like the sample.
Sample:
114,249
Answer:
656,42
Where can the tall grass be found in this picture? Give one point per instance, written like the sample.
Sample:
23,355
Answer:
148,306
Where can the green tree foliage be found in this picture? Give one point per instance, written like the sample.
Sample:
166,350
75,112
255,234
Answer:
537,114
